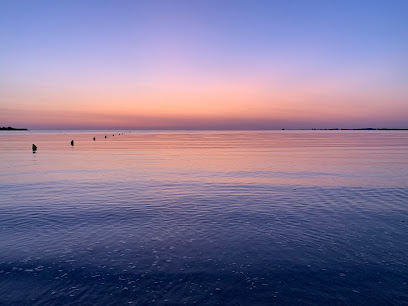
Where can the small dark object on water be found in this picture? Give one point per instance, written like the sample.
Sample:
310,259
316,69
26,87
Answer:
34,148
94,138
72,143
105,136
113,134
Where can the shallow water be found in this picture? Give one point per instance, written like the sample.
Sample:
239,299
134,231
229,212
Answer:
281,217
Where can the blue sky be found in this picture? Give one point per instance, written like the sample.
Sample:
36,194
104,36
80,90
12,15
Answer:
199,60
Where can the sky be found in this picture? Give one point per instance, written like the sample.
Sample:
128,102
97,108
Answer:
203,64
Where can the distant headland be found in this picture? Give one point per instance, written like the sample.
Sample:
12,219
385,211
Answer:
9,128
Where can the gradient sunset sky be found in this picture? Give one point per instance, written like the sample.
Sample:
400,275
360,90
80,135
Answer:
204,64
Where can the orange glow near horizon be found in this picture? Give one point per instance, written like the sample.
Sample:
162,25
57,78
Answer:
189,102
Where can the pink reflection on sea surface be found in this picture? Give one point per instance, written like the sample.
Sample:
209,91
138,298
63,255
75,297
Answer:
316,158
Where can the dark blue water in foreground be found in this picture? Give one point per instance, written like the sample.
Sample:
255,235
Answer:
229,218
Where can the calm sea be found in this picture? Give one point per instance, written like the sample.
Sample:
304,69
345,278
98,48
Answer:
206,217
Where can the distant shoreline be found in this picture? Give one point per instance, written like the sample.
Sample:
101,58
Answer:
363,129
9,128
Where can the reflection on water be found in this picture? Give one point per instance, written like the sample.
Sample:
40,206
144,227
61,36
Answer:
288,217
